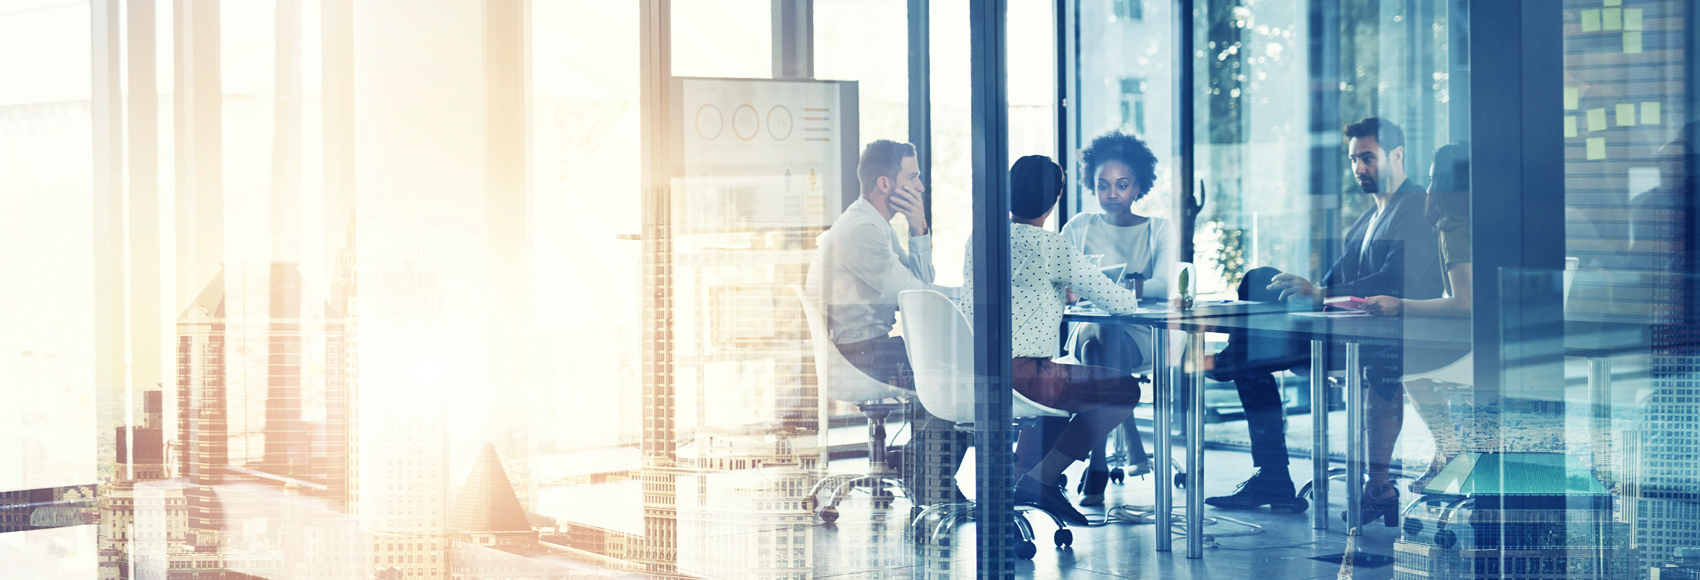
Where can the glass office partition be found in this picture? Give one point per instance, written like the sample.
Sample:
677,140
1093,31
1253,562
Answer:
53,445
657,289
1602,395
1628,134
1123,81
1629,184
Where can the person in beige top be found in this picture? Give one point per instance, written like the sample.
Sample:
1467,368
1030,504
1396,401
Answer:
1120,169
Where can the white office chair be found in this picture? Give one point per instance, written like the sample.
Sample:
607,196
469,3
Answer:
941,349
842,381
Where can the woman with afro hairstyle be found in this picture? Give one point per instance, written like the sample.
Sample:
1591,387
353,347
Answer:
1120,170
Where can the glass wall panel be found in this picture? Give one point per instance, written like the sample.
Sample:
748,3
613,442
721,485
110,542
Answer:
49,352
1240,192
586,416
952,148
360,290
1629,180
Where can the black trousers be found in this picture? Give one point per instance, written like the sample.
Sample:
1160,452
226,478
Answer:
1250,362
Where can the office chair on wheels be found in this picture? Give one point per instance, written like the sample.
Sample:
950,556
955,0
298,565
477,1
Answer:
941,349
842,381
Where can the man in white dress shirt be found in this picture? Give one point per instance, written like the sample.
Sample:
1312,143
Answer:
861,265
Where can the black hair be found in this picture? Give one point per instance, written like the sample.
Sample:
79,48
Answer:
882,158
1385,133
1035,182
1121,147
1449,195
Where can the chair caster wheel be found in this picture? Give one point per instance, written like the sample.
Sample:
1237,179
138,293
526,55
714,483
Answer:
1117,475
1063,538
1298,505
810,504
1026,550
1062,482
1180,480
829,514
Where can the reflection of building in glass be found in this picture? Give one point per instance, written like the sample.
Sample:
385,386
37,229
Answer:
154,524
1667,492
487,513
748,524
261,396
496,539
141,457
1513,515
398,448
739,337
1684,564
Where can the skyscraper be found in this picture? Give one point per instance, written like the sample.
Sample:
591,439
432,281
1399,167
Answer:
1513,515
141,457
1667,491
260,393
389,285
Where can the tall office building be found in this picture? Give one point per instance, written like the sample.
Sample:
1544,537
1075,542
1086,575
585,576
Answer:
1667,489
141,458
750,524
261,397
1513,515
398,452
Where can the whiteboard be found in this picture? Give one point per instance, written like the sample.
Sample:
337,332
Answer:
762,154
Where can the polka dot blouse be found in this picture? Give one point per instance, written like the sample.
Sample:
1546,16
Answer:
1042,264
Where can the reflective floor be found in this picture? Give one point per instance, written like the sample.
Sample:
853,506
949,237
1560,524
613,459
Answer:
1281,545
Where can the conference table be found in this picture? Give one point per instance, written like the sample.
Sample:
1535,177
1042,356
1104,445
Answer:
1160,321
1596,340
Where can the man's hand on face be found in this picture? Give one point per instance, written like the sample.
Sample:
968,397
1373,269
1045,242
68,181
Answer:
909,204
1294,288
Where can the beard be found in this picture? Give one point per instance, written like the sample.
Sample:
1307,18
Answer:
1371,186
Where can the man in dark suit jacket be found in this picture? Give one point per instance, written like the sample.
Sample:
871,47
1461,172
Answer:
1391,250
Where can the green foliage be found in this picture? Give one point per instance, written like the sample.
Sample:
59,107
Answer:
1230,255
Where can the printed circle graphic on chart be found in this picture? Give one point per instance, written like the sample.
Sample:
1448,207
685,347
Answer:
709,122
745,122
779,122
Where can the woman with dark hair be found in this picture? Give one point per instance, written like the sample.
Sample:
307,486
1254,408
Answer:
1042,266
1120,169
1448,208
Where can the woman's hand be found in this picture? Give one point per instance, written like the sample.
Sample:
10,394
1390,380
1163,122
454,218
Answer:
1383,306
1069,296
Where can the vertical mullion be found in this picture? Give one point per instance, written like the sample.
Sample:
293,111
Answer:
1516,77
1064,22
109,302
143,161
1185,135
199,139
507,201
793,39
659,542
921,94
990,110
